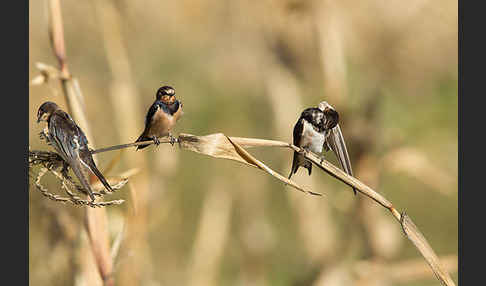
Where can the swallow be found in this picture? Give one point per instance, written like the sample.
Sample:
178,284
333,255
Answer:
317,129
71,144
161,116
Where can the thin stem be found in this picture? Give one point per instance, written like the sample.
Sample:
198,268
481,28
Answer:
122,146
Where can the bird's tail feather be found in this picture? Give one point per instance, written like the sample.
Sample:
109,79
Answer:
142,138
76,167
102,179
298,161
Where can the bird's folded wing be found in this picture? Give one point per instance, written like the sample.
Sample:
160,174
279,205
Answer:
338,146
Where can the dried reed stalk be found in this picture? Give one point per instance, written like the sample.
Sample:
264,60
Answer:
316,227
329,33
220,146
95,219
52,161
123,94
211,235
75,200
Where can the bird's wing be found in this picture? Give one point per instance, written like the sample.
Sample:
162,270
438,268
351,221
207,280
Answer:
298,129
150,114
69,139
61,133
80,170
335,140
298,159
86,158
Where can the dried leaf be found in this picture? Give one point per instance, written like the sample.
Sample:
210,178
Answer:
220,146
252,160
215,145
255,142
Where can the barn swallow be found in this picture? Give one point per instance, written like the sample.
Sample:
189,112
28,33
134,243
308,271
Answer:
71,144
161,116
318,129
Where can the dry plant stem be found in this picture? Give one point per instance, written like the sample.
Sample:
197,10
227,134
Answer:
52,161
96,219
122,146
413,233
77,200
72,198
220,146
244,142
123,93
214,141
409,228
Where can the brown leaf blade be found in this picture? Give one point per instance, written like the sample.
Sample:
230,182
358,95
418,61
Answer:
252,160
219,145
214,145
256,142
413,233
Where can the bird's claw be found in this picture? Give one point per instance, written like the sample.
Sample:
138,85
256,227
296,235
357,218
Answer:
172,139
156,140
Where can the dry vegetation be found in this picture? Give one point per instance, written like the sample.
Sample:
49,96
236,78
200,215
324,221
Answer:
248,70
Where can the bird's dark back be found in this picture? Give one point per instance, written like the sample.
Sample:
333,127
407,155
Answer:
64,126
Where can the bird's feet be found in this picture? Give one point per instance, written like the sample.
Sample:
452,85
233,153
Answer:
156,140
172,139
322,159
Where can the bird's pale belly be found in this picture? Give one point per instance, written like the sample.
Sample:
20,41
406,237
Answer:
312,139
162,123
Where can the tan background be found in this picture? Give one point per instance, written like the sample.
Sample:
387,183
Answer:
248,68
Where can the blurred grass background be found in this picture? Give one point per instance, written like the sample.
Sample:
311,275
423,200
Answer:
249,69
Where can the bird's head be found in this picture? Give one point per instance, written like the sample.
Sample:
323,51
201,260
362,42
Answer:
166,94
331,115
45,111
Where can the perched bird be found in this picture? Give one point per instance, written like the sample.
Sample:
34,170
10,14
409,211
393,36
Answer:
161,116
318,129
70,143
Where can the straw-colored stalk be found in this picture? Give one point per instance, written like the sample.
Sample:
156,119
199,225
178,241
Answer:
218,146
136,268
316,227
95,219
232,148
211,236
329,33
